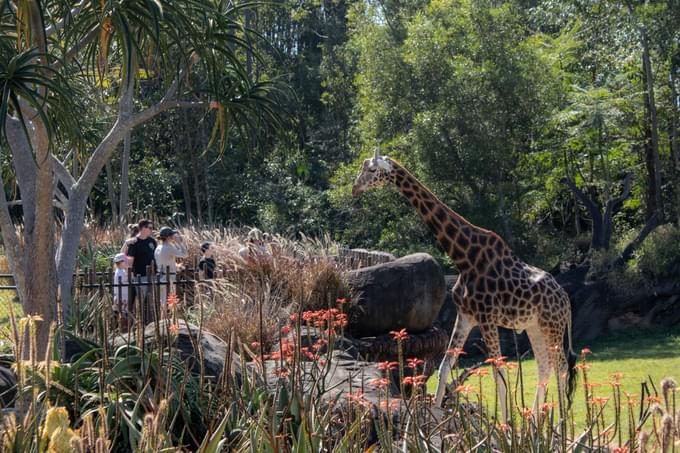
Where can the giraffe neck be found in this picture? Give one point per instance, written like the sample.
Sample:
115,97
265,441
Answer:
466,244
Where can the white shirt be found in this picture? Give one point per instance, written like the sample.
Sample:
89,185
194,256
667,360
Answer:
165,255
120,276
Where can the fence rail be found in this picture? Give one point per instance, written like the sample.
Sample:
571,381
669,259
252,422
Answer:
358,258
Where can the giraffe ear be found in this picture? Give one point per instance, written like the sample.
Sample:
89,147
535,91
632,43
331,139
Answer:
382,163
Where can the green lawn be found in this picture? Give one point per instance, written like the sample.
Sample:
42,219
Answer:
638,354
6,299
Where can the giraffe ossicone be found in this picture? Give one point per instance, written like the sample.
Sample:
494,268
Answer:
494,289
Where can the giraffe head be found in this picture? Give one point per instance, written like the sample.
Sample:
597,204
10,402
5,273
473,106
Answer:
374,172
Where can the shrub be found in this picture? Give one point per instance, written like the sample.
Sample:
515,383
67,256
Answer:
658,257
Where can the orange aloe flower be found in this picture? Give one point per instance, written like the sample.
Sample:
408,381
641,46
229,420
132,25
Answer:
498,362
414,362
465,389
455,352
399,335
527,412
592,385
282,373
599,400
585,351
379,383
504,427
388,366
389,405
547,407
421,379
174,329
341,301
172,300
480,372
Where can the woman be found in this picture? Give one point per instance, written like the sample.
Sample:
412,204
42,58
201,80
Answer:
171,247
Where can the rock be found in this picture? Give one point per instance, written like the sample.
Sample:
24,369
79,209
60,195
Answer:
8,387
624,321
213,349
665,313
405,293
425,345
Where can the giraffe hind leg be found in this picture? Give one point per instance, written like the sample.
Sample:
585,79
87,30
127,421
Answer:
493,345
539,346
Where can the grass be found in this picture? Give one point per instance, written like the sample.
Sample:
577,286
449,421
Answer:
7,297
640,354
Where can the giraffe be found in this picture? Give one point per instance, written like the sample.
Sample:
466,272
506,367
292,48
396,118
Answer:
494,289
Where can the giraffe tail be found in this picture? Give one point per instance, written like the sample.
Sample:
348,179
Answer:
572,374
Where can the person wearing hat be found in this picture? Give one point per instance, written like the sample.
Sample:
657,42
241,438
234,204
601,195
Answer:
120,292
172,246
254,245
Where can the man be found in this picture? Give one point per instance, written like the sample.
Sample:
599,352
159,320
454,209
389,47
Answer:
141,250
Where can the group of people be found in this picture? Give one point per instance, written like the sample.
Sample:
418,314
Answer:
140,255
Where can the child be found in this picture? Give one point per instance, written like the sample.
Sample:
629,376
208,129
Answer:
207,263
120,293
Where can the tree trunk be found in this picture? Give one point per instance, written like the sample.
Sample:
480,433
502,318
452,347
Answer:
197,187
125,179
186,193
248,13
675,146
208,198
194,165
67,252
654,200
112,194
602,222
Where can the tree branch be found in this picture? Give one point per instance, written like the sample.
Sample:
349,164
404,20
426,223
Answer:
652,223
590,205
62,173
73,51
614,203
59,25
126,122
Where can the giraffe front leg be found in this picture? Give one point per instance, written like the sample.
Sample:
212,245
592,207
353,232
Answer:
461,330
493,345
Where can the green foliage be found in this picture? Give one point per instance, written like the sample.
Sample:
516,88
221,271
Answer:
658,258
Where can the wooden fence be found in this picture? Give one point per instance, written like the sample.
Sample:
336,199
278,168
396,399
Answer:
90,281
358,258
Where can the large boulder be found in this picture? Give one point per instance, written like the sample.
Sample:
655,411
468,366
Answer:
8,382
405,293
212,349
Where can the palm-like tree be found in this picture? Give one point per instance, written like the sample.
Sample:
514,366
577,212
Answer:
53,53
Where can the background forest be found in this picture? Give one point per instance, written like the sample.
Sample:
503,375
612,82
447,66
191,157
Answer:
497,106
